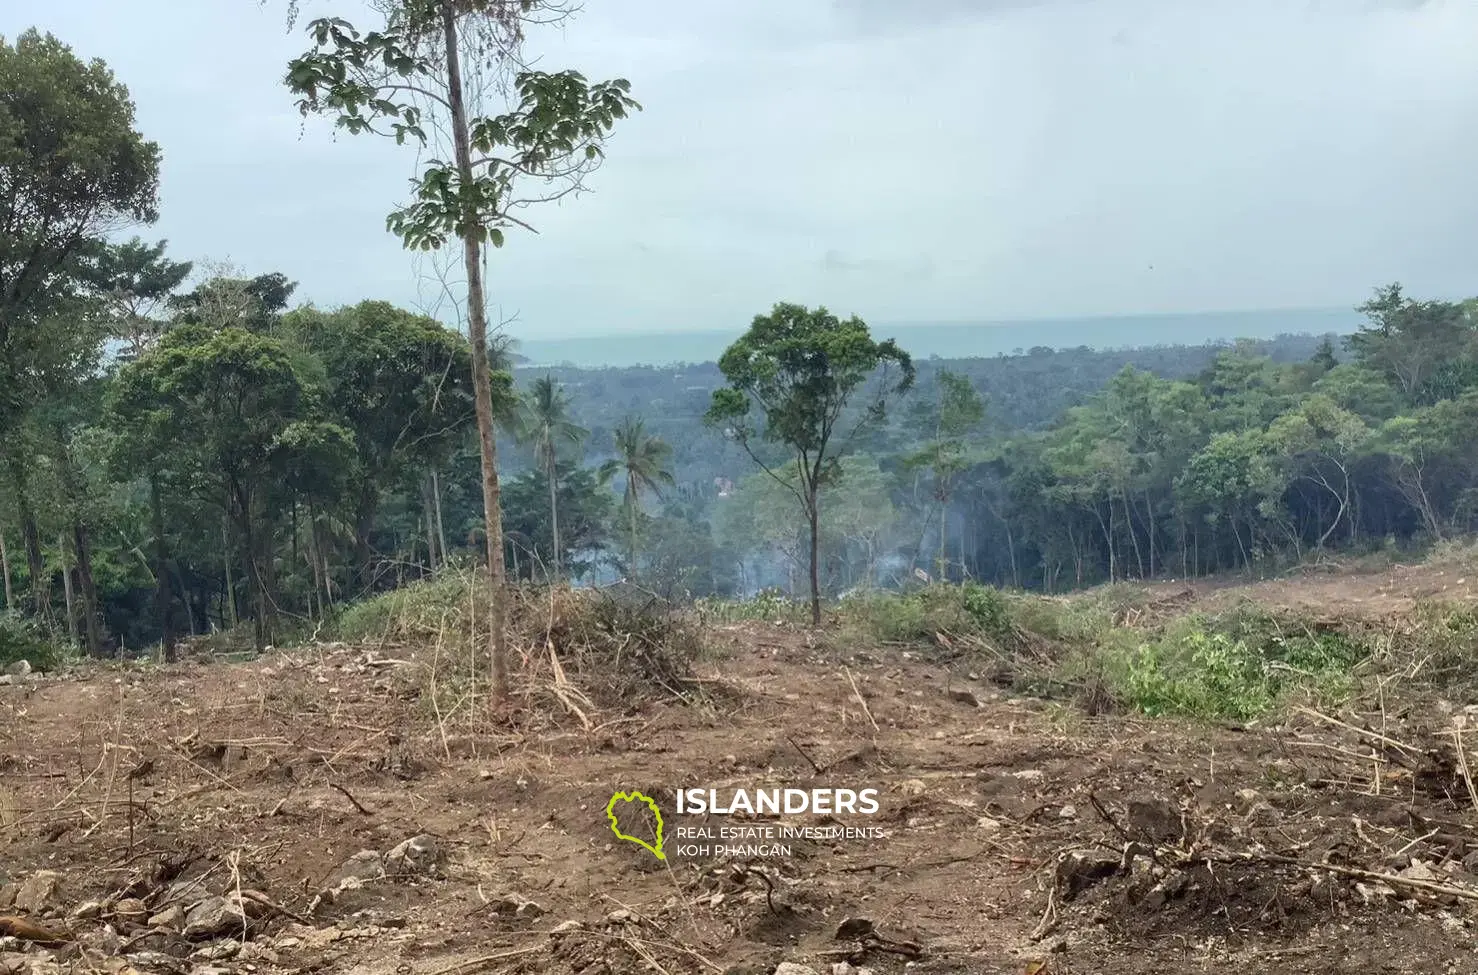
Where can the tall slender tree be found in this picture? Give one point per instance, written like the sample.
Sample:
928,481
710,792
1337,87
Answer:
437,61
643,459
547,426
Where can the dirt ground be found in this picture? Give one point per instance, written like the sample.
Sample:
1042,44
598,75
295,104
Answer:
205,817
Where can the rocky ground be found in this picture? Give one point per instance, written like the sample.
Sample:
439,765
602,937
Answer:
334,809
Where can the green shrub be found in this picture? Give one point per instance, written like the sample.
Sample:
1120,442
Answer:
24,639
1239,666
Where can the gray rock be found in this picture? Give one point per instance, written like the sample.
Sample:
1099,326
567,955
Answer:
517,905
567,927
417,856
791,968
364,866
216,916
169,919
21,668
40,893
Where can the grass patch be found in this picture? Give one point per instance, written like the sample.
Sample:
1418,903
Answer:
1238,665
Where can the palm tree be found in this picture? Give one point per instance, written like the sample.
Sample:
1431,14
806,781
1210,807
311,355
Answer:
546,424
643,458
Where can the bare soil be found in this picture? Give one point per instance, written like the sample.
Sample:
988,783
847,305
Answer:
1020,835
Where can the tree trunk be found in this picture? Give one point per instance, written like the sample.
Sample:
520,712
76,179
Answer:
554,513
432,556
92,630
5,571
477,333
163,597
230,583
61,552
814,515
436,509
631,506
30,536
364,523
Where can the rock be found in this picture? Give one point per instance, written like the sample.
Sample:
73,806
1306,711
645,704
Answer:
6,680
362,867
964,697
1419,871
169,919
1076,872
1068,811
131,909
1029,775
216,916
88,910
853,928
567,927
791,968
517,905
21,668
40,893
416,856
1155,818
621,916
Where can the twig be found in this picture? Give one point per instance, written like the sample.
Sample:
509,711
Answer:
816,768
355,802
861,700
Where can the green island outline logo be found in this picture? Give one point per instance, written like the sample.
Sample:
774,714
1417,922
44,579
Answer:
634,796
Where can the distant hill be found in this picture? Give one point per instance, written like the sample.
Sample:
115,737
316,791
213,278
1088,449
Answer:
964,340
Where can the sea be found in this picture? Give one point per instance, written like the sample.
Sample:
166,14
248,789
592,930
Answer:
959,340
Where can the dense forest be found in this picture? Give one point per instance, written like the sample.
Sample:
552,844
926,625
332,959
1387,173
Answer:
187,450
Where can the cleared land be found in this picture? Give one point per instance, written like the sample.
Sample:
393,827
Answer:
214,817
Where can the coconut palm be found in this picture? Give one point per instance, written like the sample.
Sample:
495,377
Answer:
545,423
643,458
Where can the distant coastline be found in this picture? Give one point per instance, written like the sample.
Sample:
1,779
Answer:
954,340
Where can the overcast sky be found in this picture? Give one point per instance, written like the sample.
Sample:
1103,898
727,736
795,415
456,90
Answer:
907,160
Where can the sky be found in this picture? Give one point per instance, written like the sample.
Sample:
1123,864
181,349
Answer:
904,160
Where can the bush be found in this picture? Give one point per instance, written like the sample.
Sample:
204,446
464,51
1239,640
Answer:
1239,666
24,639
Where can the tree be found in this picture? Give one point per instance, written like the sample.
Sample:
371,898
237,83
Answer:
801,367
530,532
643,459
387,81
72,169
138,282
400,384
545,423
955,411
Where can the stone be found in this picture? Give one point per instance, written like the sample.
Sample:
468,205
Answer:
131,909
88,910
791,968
415,856
40,893
517,905
170,919
364,866
853,928
567,927
216,916
21,668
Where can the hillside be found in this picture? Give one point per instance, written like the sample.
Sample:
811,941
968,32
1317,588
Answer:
211,815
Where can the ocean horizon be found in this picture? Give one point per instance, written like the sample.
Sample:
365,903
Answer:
959,340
